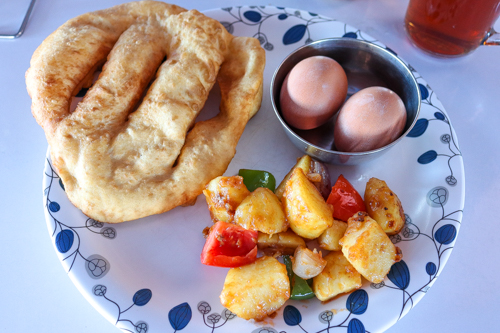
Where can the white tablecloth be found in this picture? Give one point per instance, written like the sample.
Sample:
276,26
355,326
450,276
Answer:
36,293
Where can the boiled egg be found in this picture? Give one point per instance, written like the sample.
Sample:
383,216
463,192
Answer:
372,118
313,92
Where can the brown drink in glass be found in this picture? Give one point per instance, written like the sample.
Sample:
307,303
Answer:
450,27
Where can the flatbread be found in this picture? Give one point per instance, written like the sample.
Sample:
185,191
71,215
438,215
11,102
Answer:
123,154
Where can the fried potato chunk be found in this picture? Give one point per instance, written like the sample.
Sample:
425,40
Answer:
368,248
306,210
315,171
384,206
261,210
304,163
280,243
224,194
256,290
329,239
339,276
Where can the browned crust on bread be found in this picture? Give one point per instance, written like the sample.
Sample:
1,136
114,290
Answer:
122,155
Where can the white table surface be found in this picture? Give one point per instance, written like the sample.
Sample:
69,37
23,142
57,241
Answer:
36,293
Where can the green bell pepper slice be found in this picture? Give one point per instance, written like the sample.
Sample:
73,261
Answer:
257,178
301,288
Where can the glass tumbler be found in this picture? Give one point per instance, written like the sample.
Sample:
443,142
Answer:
452,28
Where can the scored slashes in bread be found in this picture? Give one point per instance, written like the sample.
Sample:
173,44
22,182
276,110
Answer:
121,154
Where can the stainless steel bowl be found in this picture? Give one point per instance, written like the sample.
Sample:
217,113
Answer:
366,65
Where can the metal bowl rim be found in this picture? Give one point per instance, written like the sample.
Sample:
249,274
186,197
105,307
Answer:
354,41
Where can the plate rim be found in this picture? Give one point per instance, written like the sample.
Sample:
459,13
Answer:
390,323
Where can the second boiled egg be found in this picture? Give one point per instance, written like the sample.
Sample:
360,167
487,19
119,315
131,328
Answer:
312,92
372,118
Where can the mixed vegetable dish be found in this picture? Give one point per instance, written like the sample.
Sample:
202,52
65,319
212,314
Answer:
302,239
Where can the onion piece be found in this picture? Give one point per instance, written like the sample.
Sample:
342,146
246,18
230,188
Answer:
320,177
306,263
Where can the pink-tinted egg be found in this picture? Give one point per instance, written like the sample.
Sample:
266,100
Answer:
372,118
312,92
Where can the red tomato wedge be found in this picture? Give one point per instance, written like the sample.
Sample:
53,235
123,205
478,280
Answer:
345,200
229,245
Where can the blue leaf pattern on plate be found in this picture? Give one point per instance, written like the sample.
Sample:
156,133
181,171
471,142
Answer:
430,268
424,92
446,234
253,16
400,275
427,157
54,207
419,128
142,297
439,116
64,240
180,316
355,326
294,34
357,302
292,315
350,35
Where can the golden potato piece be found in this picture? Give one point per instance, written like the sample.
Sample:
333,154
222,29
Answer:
306,210
224,194
384,206
280,243
261,210
329,239
304,163
256,290
368,248
315,171
339,276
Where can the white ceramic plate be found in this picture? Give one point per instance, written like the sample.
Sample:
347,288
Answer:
146,275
